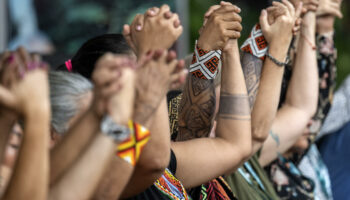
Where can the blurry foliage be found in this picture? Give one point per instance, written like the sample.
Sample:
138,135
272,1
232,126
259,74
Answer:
69,23
250,15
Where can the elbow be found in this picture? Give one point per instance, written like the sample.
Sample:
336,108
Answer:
157,165
154,166
246,151
313,110
260,132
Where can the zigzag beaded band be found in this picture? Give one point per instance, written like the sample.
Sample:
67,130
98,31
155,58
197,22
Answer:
131,149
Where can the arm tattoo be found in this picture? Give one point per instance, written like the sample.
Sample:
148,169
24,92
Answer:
197,108
234,107
252,67
275,137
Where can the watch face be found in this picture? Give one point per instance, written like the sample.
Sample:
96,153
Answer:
117,132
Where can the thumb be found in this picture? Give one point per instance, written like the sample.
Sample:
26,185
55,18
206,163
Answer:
299,10
264,21
7,99
339,14
127,36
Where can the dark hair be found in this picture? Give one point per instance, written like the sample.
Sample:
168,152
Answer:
85,59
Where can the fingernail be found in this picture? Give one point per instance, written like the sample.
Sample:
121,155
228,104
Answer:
138,27
152,12
11,58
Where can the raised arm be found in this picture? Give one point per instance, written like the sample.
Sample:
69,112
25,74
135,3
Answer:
302,95
159,31
267,99
82,178
30,175
198,101
157,76
7,116
232,144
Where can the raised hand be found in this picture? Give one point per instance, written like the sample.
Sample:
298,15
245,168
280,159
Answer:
158,71
158,30
112,73
308,5
330,7
24,84
274,12
277,33
221,23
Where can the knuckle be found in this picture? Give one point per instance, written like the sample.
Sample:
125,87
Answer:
215,17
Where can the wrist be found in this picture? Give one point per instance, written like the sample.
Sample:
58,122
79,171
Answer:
309,21
38,113
144,112
96,116
279,51
231,47
203,45
325,24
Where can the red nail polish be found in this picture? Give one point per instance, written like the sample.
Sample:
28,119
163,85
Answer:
11,58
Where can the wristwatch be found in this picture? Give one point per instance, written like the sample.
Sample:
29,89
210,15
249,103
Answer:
118,132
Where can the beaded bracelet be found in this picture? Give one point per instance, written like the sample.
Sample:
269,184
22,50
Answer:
274,60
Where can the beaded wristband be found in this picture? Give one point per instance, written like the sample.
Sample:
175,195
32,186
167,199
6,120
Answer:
256,43
131,149
274,60
205,63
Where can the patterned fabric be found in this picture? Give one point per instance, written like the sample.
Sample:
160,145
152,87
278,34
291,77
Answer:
173,109
171,187
245,185
326,57
339,115
256,43
130,150
205,63
312,164
217,189
313,167
288,181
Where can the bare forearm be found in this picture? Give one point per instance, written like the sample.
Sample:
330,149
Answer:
267,99
234,123
303,89
71,146
325,24
82,179
118,174
31,173
155,156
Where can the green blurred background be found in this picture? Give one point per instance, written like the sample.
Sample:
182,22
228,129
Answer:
250,14
68,23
